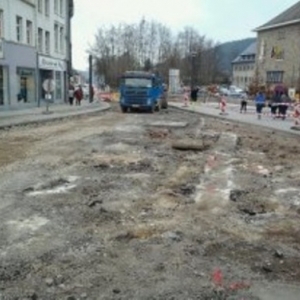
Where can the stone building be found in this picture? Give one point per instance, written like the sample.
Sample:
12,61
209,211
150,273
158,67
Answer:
243,68
278,49
34,46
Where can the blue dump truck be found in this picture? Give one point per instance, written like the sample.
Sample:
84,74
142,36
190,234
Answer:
142,90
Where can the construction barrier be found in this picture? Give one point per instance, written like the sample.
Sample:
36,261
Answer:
185,100
223,105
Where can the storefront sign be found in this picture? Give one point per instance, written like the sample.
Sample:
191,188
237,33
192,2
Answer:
48,63
1,48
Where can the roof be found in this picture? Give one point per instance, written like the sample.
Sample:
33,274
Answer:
288,17
250,50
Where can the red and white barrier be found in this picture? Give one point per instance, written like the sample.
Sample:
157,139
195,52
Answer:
223,105
296,114
104,96
185,100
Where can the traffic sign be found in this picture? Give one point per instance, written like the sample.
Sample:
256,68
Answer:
49,85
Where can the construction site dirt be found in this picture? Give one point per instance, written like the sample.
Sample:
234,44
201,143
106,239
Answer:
170,205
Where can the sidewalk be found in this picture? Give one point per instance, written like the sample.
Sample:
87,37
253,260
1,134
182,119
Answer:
234,115
58,111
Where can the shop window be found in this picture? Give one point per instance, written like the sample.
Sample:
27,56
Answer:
58,85
2,86
26,85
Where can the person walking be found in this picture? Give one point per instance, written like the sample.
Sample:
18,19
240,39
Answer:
274,104
78,95
244,101
260,101
284,105
71,94
194,94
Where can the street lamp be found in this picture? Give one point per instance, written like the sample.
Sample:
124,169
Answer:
193,68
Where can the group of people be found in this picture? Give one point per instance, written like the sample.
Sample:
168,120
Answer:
75,93
279,104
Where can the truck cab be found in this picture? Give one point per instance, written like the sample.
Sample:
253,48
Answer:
140,90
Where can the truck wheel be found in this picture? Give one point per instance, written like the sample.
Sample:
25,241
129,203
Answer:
124,109
164,104
158,106
152,109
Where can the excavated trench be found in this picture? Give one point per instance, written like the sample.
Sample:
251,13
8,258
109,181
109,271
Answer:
164,206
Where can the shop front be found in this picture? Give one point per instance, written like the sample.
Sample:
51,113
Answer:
54,69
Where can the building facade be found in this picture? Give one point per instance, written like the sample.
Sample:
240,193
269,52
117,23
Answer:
34,46
243,68
278,49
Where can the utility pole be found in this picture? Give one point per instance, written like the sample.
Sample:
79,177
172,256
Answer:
91,90
193,68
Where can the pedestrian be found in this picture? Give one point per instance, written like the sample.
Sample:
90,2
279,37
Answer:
78,95
275,100
244,101
71,94
194,94
260,101
285,101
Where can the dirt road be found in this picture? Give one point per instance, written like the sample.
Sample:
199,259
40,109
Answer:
110,207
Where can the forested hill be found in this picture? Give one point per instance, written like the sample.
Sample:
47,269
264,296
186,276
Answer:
228,51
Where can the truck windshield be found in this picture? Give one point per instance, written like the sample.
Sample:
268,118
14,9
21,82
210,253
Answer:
138,82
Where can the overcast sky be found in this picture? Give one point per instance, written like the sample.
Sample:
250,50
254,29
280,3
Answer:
221,20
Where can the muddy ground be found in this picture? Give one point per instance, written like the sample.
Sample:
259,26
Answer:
103,207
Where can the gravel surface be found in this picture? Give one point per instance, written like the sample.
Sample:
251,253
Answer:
106,207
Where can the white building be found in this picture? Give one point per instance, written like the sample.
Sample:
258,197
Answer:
34,46
243,68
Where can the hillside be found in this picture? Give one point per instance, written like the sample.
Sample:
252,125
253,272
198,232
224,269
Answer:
228,51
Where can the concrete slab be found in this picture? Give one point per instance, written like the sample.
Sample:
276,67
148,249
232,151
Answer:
168,124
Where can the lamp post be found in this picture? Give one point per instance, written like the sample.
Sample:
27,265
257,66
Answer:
91,90
193,68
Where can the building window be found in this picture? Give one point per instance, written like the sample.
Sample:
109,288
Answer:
29,32
19,29
56,37
1,24
47,7
40,39
275,77
61,39
47,42
40,6
56,6
61,7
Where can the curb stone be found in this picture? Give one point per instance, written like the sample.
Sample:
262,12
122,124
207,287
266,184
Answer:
239,122
54,117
